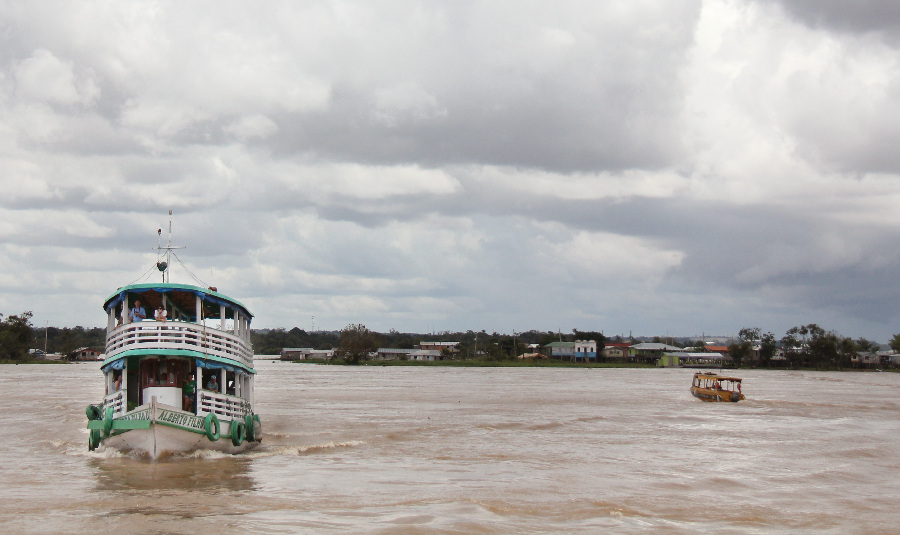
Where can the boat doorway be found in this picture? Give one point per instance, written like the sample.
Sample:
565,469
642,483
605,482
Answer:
163,378
132,384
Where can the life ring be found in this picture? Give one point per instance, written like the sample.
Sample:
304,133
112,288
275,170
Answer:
249,428
93,412
108,421
93,439
211,423
237,432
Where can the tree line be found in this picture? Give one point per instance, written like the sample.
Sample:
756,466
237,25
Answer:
802,346
806,346
809,346
18,336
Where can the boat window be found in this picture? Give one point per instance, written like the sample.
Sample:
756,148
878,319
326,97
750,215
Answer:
163,372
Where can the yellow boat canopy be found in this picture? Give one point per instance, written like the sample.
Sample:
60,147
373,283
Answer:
716,377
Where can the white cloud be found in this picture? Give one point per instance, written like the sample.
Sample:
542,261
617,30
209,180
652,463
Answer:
612,259
478,165
161,118
252,126
45,78
327,183
405,103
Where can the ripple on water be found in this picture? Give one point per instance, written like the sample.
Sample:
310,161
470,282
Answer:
474,451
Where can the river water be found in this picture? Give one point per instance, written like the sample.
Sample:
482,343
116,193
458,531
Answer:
473,450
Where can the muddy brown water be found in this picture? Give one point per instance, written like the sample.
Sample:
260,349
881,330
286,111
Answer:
472,450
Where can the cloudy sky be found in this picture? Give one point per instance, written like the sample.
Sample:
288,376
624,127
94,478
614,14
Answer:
658,167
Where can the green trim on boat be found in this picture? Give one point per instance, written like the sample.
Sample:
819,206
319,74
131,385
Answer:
120,424
131,424
189,353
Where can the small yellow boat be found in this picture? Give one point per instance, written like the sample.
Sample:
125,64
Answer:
713,387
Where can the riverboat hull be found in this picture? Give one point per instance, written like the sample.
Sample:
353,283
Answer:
709,386
181,381
709,394
157,430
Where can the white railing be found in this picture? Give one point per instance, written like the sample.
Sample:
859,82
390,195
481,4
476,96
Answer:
230,407
117,401
178,335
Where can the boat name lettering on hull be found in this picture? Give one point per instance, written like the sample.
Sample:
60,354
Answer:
143,414
182,420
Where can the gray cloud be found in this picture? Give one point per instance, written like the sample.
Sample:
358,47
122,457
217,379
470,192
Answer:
671,167
857,17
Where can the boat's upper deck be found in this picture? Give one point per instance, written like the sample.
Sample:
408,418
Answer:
182,301
199,322
178,338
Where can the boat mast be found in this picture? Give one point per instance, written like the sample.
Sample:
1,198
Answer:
163,265
168,249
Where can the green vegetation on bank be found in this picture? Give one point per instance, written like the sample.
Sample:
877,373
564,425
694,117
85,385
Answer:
15,337
18,336
478,363
523,363
272,341
802,347
33,361
547,363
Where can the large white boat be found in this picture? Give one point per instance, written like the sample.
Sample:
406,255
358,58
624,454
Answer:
180,383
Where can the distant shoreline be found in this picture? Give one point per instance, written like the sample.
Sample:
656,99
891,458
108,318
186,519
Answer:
557,364
475,364
39,361
510,364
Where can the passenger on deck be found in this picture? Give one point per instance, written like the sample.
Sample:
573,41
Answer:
213,384
188,387
160,314
138,313
118,384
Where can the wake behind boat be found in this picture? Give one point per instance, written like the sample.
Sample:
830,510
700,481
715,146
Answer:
177,380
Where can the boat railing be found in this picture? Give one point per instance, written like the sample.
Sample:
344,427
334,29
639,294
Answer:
222,405
178,335
117,401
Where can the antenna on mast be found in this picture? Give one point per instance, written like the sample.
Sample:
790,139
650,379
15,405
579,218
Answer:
163,265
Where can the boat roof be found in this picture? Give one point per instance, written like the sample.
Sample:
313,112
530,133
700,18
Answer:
711,375
207,294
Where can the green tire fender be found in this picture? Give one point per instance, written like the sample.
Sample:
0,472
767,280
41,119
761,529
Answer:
237,432
108,421
211,424
93,412
94,439
248,428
